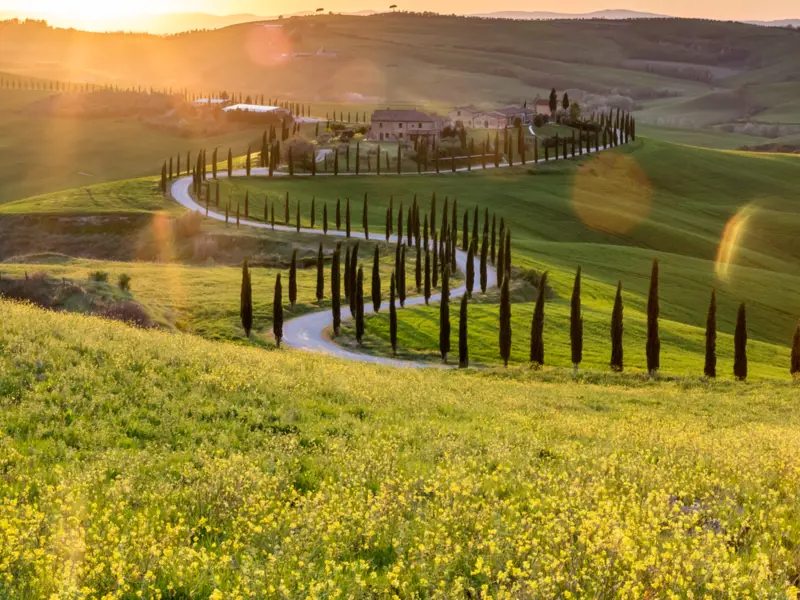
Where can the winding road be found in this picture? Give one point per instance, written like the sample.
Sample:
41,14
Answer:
307,332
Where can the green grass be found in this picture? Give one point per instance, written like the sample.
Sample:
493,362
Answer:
186,468
46,154
704,138
204,300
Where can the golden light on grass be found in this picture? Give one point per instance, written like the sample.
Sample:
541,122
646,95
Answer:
731,240
612,193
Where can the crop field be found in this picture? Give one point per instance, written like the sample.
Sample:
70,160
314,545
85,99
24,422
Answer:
145,464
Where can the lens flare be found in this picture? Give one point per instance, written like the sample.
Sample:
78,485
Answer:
731,241
268,45
612,193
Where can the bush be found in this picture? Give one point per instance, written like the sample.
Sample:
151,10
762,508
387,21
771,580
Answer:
188,225
539,120
124,282
127,312
101,276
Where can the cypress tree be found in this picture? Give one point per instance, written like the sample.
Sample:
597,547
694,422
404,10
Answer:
347,218
435,265
247,204
353,275
347,272
616,332
216,195
454,224
470,269
365,217
494,238
401,292
537,325
246,301
653,341
293,279
444,316
335,290
230,163
277,312
505,322
297,216
427,284
335,162
389,217
325,218
463,347
376,281
247,164
237,215
320,274
740,345
425,232
400,225
576,323
795,368
272,213
360,306
393,316
710,368
338,215
164,178
465,239
410,226
313,211
358,158
484,265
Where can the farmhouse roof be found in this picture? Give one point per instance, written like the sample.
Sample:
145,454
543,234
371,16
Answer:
401,115
513,110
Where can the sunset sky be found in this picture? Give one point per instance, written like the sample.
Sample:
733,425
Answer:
100,9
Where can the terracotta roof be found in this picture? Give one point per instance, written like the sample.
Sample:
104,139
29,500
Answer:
401,115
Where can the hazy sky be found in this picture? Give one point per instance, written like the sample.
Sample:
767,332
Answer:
715,9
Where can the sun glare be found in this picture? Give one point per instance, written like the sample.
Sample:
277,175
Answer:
93,14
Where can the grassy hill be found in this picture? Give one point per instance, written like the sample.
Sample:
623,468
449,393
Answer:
180,467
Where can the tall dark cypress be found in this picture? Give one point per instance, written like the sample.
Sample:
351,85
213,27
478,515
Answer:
435,264
484,267
297,216
401,284
465,238
389,217
320,274
425,233
400,225
653,341
246,301
376,281
248,163
336,295
393,315
444,316
360,306
616,332
795,364
313,211
537,325
463,345
454,224
507,254
230,163
410,226
352,276
433,215
338,214
325,218
277,312
494,239
347,272
470,269
365,217
710,368
347,218
576,323
427,284
286,209
505,322
740,345
293,280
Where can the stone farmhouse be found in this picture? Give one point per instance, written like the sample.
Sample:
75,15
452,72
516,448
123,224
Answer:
403,125
477,118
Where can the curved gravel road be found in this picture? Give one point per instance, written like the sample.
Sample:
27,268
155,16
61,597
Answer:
307,332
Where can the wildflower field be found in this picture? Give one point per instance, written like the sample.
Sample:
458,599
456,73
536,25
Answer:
145,464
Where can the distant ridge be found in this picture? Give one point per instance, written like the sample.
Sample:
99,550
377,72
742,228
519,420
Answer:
544,16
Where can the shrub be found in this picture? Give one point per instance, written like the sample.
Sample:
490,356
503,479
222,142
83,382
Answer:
129,312
539,120
188,225
124,282
101,276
